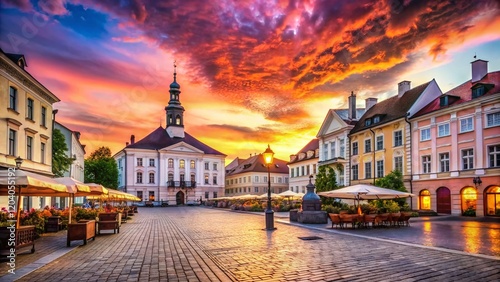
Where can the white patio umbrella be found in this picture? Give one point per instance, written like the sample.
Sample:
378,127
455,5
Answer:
288,193
273,196
365,192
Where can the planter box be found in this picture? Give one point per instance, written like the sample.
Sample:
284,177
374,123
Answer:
25,237
108,221
83,230
54,224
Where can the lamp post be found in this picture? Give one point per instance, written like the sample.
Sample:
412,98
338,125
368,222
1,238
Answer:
19,161
268,159
477,181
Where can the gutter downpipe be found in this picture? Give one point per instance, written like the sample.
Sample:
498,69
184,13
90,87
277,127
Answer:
374,165
411,161
349,152
159,176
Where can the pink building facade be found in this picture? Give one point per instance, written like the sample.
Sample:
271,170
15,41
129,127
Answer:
456,148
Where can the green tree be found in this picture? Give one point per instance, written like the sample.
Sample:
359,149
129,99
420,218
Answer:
101,168
393,180
326,180
60,161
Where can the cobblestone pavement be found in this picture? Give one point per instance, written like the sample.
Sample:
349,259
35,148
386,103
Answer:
203,244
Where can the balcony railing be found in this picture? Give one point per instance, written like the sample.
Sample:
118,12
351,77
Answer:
181,184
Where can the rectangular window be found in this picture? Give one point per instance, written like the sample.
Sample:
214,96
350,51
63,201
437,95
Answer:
302,170
368,145
398,163
12,142
494,155
29,110
256,189
29,148
466,125
13,99
296,172
265,179
139,177
493,119
443,130
468,159
139,195
342,148
380,169
43,122
192,164
206,179
206,195
426,164
325,151
207,165
214,180
398,138
425,134
355,173
308,170
215,166
314,169
151,162
332,150
444,162
380,142
182,164
215,195
151,178
368,170
151,195
292,171
354,148
139,161
256,179
42,153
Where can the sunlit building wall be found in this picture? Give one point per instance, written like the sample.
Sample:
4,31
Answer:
302,165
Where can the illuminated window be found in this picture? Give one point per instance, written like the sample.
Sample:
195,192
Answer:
182,164
469,198
425,200
192,164
170,163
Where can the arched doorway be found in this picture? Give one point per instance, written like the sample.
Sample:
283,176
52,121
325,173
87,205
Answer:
443,198
425,200
179,198
469,201
492,202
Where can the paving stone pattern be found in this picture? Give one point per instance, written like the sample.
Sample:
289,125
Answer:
204,244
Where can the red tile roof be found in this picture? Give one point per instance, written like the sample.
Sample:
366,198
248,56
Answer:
159,139
391,109
311,146
256,164
464,93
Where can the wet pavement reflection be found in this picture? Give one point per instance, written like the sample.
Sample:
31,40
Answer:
456,233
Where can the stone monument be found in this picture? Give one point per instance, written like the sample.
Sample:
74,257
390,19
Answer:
311,207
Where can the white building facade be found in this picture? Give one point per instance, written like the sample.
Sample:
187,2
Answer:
302,165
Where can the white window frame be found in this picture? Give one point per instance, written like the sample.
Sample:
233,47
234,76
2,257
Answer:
467,160
465,121
395,162
495,118
369,171
370,150
493,155
377,142
443,161
426,137
394,138
426,164
444,126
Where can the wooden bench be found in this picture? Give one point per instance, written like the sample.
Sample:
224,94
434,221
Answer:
82,230
108,221
25,237
335,218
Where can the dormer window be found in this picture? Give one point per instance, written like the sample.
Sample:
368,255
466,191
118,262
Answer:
478,91
443,101
376,119
368,122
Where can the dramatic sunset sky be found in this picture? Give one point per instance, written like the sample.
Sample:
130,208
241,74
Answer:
251,72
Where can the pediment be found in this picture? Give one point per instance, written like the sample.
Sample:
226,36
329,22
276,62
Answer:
331,123
182,147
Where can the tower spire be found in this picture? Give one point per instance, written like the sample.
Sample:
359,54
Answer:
175,70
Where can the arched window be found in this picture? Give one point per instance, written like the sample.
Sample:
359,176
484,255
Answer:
469,198
170,119
182,164
425,200
151,178
170,177
493,201
193,178
139,177
171,163
178,120
192,164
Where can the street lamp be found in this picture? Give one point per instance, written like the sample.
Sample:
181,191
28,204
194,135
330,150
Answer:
477,181
19,161
268,159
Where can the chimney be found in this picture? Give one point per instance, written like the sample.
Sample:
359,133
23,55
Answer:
403,86
479,70
132,139
77,134
370,102
126,144
352,106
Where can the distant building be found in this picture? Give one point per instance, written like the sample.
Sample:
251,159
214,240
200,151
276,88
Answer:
169,164
75,150
249,176
381,139
333,138
25,121
302,165
456,142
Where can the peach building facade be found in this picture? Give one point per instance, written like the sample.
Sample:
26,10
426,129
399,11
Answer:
456,148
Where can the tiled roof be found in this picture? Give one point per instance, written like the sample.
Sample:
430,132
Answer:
159,139
463,93
313,145
344,114
256,164
391,109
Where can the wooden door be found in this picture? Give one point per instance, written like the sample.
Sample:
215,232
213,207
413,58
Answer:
443,200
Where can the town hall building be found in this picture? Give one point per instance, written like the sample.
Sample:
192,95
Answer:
169,165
